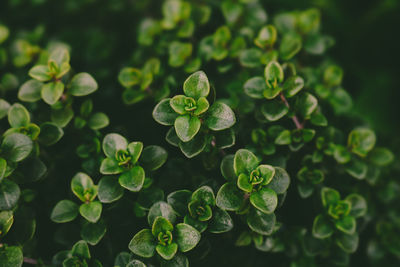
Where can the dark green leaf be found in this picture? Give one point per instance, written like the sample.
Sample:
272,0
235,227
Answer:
260,222
133,179
91,211
82,84
163,113
143,244
109,189
229,197
220,117
153,157
186,236
64,211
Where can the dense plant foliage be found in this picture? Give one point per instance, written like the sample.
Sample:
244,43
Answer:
263,161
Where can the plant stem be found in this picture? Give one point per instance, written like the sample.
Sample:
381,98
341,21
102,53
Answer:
294,118
30,261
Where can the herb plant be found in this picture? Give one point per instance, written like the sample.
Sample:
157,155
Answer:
263,161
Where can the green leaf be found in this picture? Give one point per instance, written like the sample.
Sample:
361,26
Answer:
267,172
30,91
163,113
6,221
187,127
40,73
329,196
274,110
322,227
273,74
340,100
197,85
221,222
333,76
4,106
132,96
3,168
186,237
225,138
50,133
357,168
109,189
61,117
98,121
204,194
255,87
358,205
292,86
244,184
153,157
161,224
178,53
18,116
122,259
290,45
167,252
133,179
161,209
193,147
305,190
220,117
200,226
179,201
260,222
202,106
110,166
129,77
9,194
284,138
179,260
244,239
4,33
172,138
361,141
51,92
112,143
93,232
306,104
135,150
143,244
264,200
83,187
229,197
82,84
81,250
280,182
348,243
227,169
16,147
250,58
64,211
60,55
381,156
346,225
266,36
11,257
178,103
91,211
244,162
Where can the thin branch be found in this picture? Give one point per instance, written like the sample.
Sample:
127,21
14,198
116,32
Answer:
294,118
30,261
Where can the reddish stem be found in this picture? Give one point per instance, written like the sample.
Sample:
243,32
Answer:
30,261
294,118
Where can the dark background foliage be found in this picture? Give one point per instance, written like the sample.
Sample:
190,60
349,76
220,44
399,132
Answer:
102,36
365,32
